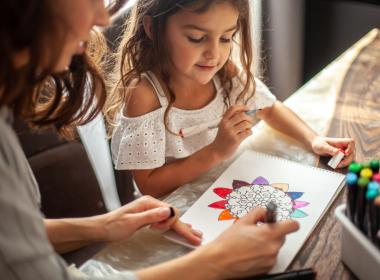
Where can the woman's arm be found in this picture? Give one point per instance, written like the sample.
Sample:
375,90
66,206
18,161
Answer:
70,234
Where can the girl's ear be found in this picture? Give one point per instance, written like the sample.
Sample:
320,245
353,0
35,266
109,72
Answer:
147,22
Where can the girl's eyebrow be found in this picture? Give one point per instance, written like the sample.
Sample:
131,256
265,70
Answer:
192,26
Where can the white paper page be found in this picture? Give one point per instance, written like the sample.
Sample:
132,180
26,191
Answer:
319,188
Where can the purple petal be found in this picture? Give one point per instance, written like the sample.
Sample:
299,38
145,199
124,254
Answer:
260,181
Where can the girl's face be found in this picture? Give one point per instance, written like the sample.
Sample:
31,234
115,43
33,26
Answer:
199,44
77,17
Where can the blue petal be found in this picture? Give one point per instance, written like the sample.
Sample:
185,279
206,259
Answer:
295,195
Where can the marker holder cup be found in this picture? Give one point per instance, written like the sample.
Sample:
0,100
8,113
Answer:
358,252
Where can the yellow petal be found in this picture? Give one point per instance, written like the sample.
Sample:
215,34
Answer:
281,186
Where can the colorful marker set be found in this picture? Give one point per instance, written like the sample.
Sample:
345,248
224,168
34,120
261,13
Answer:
363,187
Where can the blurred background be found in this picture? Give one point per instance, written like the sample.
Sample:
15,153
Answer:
295,39
298,38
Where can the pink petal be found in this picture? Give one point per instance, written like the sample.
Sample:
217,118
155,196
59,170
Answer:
219,204
222,192
299,204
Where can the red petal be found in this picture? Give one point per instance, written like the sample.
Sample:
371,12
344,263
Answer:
219,204
222,192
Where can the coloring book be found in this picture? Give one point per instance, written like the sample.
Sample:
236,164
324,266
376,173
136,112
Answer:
300,192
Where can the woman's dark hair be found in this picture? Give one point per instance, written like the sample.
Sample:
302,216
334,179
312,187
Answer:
35,94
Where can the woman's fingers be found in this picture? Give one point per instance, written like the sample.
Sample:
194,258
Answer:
192,235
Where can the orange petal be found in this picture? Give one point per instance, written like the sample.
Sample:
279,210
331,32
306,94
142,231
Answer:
281,186
226,215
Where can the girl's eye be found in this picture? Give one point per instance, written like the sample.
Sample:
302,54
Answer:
225,40
195,40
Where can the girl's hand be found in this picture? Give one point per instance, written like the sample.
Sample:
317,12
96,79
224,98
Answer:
233,129
145,211
330,146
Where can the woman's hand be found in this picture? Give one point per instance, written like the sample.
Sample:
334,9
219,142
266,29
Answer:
331,146
145,211
247,249
235,126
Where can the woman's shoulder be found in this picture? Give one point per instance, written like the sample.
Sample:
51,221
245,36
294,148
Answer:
141,99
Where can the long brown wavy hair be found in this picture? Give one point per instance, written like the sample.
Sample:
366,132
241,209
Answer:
37,95
138,54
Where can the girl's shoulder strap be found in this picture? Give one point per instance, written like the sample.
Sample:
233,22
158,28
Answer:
151,77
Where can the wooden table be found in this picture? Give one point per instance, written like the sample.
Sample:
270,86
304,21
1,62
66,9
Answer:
357,115
341,101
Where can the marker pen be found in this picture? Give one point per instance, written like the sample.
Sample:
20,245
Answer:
374,164
271,212
351,183
366,172
376,177
302,274
360,202
355,167
335,160
370,214
195,129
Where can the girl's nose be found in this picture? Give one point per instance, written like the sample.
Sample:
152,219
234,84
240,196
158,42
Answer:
212,50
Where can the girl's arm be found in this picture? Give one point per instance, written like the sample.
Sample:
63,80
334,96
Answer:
233,129
286,121
163,180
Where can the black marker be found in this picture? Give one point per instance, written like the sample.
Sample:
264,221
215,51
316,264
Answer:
370,214
360,203
302,274
271,212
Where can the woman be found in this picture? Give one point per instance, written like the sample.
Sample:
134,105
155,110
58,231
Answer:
44,70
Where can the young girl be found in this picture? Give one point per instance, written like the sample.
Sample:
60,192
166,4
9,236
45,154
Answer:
176,76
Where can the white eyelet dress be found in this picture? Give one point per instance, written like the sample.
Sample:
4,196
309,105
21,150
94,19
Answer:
144,143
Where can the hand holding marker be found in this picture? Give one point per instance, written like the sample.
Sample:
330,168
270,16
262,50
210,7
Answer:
193,130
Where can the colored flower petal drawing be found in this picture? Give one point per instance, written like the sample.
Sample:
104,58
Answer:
243,196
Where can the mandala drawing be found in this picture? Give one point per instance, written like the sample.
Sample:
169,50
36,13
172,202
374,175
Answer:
243,196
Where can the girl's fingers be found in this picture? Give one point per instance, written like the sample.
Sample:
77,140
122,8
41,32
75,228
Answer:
347,160
233,110
241,127
240,117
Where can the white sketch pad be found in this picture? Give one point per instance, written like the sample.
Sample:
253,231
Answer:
320,188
